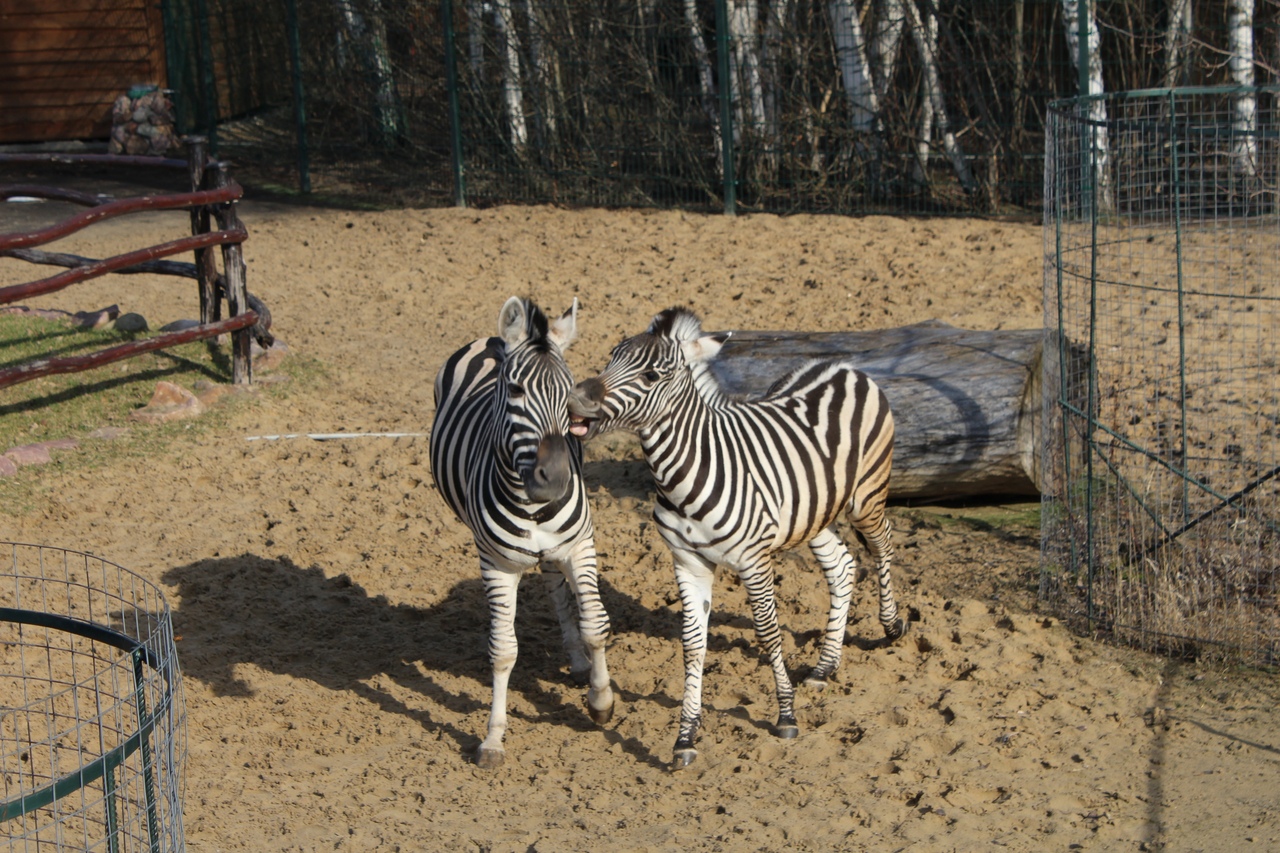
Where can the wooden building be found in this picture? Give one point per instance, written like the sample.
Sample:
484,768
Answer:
64,62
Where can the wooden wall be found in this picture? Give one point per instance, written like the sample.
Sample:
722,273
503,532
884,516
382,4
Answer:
64,62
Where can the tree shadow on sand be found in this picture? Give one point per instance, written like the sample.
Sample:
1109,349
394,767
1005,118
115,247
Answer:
296,621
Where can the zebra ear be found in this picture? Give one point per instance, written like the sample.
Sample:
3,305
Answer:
513,321
564,330
704,348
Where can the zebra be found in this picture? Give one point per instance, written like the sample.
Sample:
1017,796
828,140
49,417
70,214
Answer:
506,465
738,479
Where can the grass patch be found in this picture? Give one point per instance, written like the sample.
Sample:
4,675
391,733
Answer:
74,405
1020,519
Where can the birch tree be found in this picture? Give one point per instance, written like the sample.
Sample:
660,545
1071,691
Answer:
706,82
855,72
1096,132
369,36
748,89
1244,104
886,36
1177,41
925,36
512,86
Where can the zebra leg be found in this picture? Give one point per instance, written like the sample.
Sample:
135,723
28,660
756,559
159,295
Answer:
580,570
500,588
758,579
567,614
695,578
877,535
838,568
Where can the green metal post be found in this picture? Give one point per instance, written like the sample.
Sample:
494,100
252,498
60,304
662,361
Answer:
1091,402
208,83
299,97
455,118
148,772
174,60
726,107
1182,322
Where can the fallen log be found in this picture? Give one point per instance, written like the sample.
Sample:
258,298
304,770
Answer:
967,404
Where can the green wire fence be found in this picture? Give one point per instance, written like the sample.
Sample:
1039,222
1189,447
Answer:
1162,298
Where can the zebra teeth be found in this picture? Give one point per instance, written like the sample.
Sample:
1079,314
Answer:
579,426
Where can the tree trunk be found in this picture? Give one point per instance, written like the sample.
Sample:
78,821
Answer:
1177,40
706,82
967,405
1244,105
512,87
926,38
851,55
1093,86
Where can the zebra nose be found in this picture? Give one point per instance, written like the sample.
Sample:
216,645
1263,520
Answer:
587,395
548,478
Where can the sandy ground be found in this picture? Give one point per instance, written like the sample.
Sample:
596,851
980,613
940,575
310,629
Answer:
333,625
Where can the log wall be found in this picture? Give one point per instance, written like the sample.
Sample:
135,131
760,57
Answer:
64,62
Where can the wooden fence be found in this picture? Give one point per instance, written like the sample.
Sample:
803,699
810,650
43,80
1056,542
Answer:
210,201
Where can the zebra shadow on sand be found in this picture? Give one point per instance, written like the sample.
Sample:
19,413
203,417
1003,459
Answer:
295,621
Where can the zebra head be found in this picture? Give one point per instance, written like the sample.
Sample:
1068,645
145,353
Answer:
533,388
644,375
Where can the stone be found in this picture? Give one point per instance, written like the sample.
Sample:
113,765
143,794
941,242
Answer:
7,467
170,402
131,322
269,358
179,325
28,454
96,319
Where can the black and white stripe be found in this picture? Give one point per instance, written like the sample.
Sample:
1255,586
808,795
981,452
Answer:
506,464
740,479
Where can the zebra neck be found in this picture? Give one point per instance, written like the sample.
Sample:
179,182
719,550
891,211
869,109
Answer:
691,419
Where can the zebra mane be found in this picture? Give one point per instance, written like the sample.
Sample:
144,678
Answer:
679,324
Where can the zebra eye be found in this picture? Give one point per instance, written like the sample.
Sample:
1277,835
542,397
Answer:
514,390
651,376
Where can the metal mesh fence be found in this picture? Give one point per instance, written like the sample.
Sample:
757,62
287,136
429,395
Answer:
846,106
1162,300
92,723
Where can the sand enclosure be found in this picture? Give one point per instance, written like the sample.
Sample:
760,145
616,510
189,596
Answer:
333,624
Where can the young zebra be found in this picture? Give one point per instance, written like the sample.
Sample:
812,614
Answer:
505,463
740,479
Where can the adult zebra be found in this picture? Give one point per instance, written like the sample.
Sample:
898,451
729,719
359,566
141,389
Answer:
738,480
505,463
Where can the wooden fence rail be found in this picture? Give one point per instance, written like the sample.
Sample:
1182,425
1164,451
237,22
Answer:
211,202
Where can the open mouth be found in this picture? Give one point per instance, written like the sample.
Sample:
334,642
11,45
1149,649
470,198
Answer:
579,425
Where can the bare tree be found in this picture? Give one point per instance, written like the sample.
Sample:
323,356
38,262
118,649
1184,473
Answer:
368,33
925,35
706,82
512,85
1096,135
1244,104
1177,42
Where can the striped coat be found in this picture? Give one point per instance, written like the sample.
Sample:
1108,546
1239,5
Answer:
738,480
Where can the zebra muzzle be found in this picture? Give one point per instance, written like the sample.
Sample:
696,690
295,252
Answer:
548,478
584,406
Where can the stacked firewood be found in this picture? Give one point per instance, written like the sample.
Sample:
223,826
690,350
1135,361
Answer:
142,123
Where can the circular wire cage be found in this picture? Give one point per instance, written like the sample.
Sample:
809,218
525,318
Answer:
1161,463
92,722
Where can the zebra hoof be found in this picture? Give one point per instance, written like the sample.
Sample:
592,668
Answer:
488,758
816,681
787,729
895,631
683,758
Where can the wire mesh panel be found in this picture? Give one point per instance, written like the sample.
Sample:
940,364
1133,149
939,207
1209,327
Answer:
92,724
1162,298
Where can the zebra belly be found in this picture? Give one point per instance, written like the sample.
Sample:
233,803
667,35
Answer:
726,547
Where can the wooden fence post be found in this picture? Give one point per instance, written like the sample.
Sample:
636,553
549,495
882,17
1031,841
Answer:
233,282
206,267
